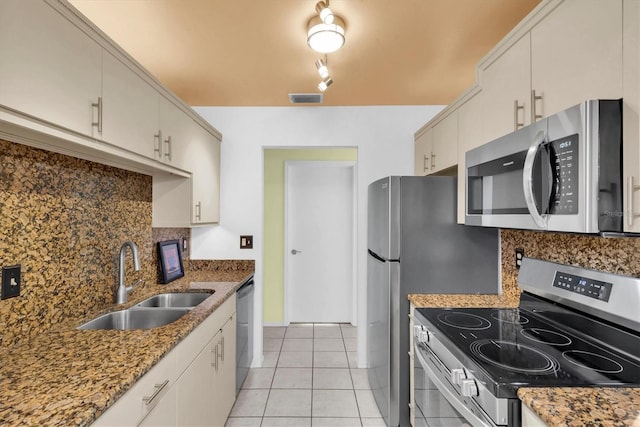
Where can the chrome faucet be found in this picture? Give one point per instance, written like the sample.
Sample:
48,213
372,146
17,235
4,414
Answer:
123,290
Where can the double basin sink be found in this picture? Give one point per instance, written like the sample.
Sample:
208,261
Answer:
155,311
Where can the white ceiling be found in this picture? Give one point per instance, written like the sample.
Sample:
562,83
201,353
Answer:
253,53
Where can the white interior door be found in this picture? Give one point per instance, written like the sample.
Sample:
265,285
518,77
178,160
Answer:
319,241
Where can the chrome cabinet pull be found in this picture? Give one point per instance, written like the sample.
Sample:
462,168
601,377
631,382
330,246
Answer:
98,105
148,400
198,211
214,357
168,152
425,167
534,115
222,350
433,161
631,188
516,107
158,148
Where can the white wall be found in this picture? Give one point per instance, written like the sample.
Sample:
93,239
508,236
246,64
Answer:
383,135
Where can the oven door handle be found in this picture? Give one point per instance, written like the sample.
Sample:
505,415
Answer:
450,396
527,180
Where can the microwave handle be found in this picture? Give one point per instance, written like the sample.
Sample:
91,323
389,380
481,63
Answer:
527,180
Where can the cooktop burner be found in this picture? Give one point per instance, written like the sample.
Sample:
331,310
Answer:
514,357
468,321
517,347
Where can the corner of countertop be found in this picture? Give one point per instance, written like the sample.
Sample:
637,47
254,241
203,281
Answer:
570,406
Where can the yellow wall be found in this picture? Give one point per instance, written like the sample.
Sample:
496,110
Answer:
273,270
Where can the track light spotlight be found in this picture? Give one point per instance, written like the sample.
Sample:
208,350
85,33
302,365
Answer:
321,65
322,7
323,85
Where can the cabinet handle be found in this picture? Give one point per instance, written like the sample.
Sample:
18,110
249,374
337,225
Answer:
534,115
631,188
148,400
198,211
214,355
98,105
222,350
168,153
516,124
158,148
425,167
433,161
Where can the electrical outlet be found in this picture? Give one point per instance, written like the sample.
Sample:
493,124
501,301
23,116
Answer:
10,281
246,242
519,256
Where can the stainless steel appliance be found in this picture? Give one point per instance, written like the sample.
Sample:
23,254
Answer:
416,246
573,327
562,173
244,330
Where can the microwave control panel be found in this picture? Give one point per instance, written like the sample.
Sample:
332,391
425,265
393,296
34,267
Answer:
565,175
584,286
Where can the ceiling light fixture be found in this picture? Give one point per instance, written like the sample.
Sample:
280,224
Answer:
321,65
323,85
325,31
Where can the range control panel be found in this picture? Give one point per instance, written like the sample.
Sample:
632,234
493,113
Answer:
583,286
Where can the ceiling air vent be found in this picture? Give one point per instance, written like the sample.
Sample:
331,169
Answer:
305,98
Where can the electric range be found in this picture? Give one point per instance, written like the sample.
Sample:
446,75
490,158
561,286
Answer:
573,327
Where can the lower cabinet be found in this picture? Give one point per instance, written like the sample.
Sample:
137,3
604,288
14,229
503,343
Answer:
193,385
530,418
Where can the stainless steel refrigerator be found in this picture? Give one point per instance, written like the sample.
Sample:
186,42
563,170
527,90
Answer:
416,246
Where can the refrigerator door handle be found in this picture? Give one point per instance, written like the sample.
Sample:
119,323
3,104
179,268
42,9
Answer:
381,259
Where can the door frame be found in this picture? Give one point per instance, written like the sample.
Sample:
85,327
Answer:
354,223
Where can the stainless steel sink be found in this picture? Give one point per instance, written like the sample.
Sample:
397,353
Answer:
136,318
182,299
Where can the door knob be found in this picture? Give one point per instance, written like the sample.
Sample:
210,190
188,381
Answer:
293,252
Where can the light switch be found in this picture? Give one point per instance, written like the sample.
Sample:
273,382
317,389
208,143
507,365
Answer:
246,242
11,281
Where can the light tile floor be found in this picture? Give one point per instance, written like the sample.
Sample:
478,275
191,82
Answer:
309,378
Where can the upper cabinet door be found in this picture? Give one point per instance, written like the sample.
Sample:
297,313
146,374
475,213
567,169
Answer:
51,70
506,87
130,109
422,153
178,132
576,54
444,150
204,157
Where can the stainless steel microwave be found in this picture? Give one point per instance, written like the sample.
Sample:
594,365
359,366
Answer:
562,173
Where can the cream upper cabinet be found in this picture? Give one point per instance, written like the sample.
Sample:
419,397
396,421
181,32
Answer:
204,159
130,109
178,132
506,87
422,153
631,113
51,71
469,136
444,149
576,55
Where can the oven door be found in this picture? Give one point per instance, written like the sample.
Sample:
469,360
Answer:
437,402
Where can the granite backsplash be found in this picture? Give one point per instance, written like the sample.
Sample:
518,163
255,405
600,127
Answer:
63,220
620,255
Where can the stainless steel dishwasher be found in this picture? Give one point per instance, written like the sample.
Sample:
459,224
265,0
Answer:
244,330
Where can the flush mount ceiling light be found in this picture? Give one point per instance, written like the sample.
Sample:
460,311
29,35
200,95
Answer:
325,31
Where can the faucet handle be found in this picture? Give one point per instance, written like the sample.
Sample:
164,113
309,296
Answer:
134,285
